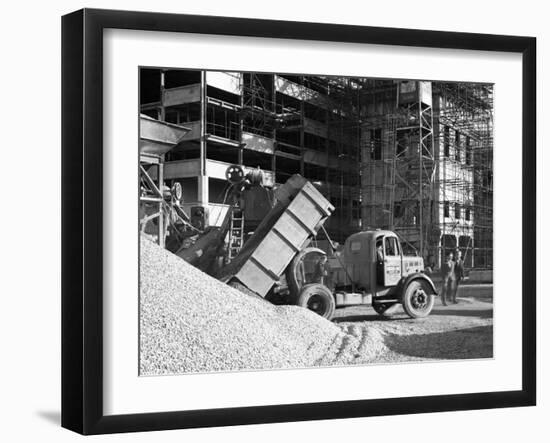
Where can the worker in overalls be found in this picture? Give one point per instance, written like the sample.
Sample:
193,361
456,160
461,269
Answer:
459,273
320,272
379,261
448,277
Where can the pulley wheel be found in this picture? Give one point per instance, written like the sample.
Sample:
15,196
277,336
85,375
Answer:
234,174
177,191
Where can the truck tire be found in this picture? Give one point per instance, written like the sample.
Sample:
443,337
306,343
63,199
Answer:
317,298
418,299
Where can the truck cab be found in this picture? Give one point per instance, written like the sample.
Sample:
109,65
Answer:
375,260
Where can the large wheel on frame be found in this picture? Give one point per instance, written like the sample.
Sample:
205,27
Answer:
317,298
418,299
234,174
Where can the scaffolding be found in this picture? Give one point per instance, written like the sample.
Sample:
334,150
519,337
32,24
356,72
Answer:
258,107
344,145
316,120
427,166
415,157
465,179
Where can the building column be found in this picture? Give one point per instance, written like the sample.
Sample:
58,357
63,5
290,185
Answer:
302,136
202,178
274,134
241,122
162,110
202,189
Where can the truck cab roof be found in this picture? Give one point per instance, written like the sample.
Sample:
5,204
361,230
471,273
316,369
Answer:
371,233
364,243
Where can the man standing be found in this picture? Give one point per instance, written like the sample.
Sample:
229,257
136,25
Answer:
459,273
448,276
320,272
379,262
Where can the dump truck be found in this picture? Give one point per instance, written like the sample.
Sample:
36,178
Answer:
371,269
277,263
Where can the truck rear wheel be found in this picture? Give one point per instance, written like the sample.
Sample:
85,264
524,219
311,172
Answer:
418,299
317,298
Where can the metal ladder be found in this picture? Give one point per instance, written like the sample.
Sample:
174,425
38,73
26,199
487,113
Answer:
236,233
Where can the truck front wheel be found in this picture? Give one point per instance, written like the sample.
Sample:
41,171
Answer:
418,299
317,298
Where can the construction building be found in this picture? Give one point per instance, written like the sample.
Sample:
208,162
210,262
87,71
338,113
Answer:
411,156
427,166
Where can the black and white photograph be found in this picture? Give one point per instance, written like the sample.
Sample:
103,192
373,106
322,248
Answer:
293,221
247,221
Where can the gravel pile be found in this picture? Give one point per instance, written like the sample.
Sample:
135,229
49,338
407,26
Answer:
190,322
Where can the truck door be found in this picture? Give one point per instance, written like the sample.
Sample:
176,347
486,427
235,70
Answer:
392,261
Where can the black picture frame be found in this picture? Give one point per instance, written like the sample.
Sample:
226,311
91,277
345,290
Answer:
82,279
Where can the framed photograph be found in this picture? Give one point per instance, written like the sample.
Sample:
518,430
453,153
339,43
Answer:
269,221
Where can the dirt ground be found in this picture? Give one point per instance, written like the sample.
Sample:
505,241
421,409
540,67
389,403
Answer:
461,331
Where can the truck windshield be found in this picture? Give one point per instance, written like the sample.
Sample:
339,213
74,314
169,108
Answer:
392,247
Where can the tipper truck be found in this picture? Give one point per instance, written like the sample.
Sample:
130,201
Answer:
278,264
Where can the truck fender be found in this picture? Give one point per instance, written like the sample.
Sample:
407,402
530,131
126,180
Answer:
404,282
291,272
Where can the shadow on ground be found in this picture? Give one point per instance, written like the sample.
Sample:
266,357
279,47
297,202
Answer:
54,417
479,313
476,342
400,316
367,317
